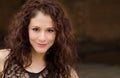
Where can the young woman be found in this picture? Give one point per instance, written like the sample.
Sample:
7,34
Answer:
41,42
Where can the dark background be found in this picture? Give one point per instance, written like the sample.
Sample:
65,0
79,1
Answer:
96,24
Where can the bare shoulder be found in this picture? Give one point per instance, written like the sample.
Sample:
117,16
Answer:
3,56
4,53
74,73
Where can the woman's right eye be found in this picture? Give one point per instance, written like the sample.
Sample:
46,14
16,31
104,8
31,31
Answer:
35,29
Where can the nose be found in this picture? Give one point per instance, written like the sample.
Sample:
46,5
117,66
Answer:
42,36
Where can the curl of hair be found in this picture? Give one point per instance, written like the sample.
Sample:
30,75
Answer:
60,56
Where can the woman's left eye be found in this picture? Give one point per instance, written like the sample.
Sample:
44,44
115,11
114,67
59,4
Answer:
50,30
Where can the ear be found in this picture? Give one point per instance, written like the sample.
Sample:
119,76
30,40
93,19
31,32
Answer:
3,56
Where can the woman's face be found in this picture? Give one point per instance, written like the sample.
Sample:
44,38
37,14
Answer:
41,32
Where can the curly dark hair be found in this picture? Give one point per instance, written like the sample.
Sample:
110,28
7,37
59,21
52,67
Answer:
61,54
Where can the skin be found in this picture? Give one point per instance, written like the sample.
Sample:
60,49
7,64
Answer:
41,36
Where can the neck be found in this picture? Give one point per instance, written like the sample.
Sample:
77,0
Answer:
38,62
38,57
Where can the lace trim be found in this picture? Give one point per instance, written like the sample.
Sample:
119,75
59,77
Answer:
16,71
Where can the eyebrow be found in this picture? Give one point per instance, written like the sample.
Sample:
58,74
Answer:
47,27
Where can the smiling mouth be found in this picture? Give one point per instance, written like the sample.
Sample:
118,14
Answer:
42,45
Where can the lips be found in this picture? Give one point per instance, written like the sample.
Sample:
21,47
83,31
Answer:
42,45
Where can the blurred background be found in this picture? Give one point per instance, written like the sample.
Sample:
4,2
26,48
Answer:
97,27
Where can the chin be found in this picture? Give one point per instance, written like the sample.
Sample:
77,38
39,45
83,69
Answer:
40,51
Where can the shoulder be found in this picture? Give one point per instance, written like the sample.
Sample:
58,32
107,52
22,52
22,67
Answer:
4,52
3,56
74,73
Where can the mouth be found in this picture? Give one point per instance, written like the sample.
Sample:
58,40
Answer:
41,45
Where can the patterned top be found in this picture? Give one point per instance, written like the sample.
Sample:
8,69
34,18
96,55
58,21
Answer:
16,71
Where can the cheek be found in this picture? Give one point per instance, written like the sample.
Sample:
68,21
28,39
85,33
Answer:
31,35
52,37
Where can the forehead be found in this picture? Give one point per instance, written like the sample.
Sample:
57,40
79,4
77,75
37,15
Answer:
41,18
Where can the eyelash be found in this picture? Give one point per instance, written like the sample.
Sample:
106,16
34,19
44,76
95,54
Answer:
35,29
48,30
